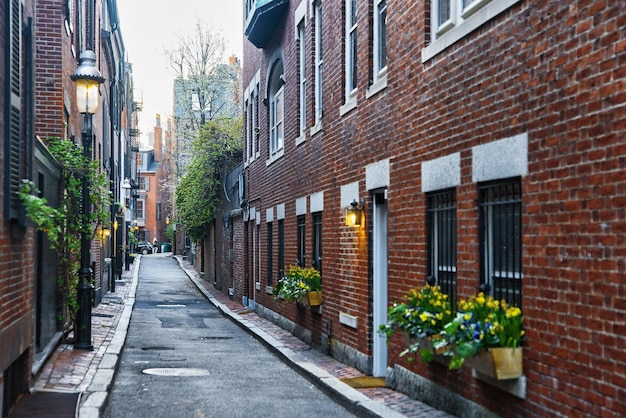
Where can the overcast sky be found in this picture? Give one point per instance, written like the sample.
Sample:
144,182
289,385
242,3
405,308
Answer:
148,26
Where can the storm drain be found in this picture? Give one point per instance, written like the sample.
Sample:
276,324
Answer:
176,372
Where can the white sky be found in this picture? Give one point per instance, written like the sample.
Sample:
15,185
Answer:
149,26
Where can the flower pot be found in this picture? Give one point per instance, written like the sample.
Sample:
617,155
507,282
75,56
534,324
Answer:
315,298
499,363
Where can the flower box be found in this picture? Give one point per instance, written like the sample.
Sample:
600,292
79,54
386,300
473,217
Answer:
314,298
500,363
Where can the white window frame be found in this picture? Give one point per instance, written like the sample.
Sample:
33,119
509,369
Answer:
465,17
301,33
251,101
379,71
277,121
319,61
350,50
140,206
144,183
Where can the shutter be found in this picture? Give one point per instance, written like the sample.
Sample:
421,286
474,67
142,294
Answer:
15,125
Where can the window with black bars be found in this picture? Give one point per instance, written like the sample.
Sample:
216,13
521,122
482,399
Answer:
270,252
501,240
301,241
441,224
317,241
281,249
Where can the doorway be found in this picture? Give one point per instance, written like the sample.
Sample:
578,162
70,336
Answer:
379,269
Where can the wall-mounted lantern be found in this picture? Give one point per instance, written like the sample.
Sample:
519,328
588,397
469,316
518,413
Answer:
354,213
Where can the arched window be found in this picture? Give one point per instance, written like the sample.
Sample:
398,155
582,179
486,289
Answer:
276,101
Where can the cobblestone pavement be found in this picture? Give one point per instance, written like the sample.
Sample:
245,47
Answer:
92,372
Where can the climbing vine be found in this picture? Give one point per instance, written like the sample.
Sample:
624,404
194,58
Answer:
199,191
63,224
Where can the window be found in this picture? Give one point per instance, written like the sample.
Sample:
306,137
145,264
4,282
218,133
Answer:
441,224
350,48
501,240
144,183
301,240
139,209
270,252
451,20
281,247
380,37
302,75
319,61
276,105
317,241
276,122
252,119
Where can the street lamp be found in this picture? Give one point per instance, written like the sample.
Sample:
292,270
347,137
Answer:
87,79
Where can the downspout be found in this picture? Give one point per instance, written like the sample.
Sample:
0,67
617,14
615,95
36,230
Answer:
113,240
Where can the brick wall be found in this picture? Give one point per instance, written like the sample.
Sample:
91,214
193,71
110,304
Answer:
16,266
550,71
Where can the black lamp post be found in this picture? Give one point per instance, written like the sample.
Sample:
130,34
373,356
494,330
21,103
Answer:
87,79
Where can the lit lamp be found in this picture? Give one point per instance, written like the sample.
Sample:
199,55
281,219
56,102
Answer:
167,220
354,213
87,79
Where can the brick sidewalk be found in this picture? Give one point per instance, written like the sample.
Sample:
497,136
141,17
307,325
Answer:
73,370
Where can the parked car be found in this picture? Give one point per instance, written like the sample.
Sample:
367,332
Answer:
144,248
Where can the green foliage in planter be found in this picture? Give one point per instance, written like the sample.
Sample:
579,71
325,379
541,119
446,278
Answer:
482,323
297,283
423,314
63,224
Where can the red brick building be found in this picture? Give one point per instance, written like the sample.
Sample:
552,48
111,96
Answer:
39,50
485,142
17,287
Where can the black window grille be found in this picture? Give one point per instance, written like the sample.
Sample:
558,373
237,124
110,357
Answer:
441,219
501,240
270,252
281,248
317,241
301,241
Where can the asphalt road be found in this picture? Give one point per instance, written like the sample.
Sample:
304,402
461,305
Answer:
176,331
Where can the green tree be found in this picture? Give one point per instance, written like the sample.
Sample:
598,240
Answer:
215,151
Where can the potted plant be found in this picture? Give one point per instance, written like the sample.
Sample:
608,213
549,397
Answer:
487,334
301,284
420,319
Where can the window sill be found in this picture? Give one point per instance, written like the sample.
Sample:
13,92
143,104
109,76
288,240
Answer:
473,22
319,126
349,105
378,86
300,139
275,157
516,387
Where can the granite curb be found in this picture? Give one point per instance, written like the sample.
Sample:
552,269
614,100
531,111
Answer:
349,397
95,398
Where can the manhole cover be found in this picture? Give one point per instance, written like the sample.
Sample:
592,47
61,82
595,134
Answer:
215,338
176,371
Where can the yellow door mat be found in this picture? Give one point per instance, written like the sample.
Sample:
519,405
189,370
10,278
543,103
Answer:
365,382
